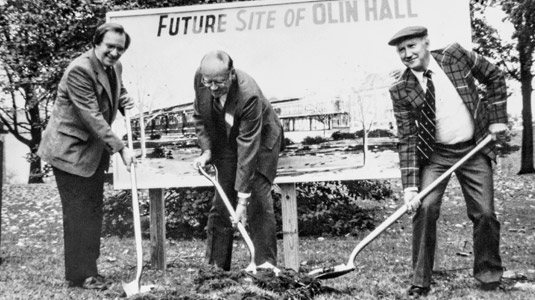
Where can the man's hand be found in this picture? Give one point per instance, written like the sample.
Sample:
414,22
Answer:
408,196
126,101
201,161
499,131
128,157
241,211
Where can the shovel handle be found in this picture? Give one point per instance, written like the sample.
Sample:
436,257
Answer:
135,203
232,213
403,209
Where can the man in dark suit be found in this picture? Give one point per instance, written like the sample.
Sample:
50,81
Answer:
239,133
440,117
78,142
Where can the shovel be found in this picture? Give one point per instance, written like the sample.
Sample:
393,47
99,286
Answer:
133,287
251,268
336,271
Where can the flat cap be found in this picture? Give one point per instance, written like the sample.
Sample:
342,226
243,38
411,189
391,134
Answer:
406,33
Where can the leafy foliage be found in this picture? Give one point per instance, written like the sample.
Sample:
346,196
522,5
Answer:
375,133
118,219
337,135
324,208
187,211
369,189
515,57
309,140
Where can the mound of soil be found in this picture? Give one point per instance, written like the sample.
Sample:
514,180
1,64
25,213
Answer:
214,283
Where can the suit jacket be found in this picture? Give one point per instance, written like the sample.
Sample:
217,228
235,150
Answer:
79,130
254,134
463,68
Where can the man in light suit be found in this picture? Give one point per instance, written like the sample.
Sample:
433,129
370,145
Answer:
460,118
78,142
239,133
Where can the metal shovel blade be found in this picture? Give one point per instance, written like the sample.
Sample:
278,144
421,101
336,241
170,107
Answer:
131,288
331,272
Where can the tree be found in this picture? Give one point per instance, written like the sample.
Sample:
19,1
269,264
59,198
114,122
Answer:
37,41
515,57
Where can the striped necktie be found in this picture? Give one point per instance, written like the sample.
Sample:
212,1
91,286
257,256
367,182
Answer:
426,127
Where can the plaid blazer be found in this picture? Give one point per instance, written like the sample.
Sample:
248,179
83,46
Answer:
462,67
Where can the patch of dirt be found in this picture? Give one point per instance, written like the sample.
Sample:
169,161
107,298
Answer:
214,283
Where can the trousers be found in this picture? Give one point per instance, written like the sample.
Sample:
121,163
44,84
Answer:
82,201
260,215
476,180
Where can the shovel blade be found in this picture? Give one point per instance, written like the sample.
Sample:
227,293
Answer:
131,288
251,268
268,265
331,272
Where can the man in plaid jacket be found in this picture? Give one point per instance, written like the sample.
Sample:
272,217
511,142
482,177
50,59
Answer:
461,119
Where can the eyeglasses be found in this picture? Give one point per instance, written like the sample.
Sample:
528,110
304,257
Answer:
207,83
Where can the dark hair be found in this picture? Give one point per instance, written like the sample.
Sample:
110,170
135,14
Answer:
102,29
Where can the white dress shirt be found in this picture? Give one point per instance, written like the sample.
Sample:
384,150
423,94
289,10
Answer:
454,122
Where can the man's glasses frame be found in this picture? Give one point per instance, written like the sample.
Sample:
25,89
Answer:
207,83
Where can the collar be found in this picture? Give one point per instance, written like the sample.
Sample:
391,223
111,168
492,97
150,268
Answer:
433,67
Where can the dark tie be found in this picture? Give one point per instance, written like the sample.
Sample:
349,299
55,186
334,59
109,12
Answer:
113,81
426,130
217,105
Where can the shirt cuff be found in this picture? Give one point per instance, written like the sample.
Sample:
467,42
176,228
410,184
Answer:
244,195
411,189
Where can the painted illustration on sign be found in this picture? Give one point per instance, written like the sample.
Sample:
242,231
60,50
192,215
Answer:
325,66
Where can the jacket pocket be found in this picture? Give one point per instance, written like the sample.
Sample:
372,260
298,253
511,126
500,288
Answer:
75,132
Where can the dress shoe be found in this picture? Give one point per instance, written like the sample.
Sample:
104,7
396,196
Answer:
98,283
490,286
417,291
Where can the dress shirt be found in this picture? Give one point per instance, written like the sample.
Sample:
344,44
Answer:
454,123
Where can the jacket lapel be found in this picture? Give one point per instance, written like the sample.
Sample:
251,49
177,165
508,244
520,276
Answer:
415,93
102,78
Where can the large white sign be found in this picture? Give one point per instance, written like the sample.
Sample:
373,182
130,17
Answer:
311,58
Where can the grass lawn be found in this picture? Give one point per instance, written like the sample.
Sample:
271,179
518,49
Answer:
32,251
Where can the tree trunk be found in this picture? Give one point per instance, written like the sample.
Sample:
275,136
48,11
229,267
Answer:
525,57
142,137
1,179
364,146
526,162
36,173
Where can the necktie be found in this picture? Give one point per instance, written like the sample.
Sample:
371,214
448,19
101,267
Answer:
113,80
217,105
426,127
